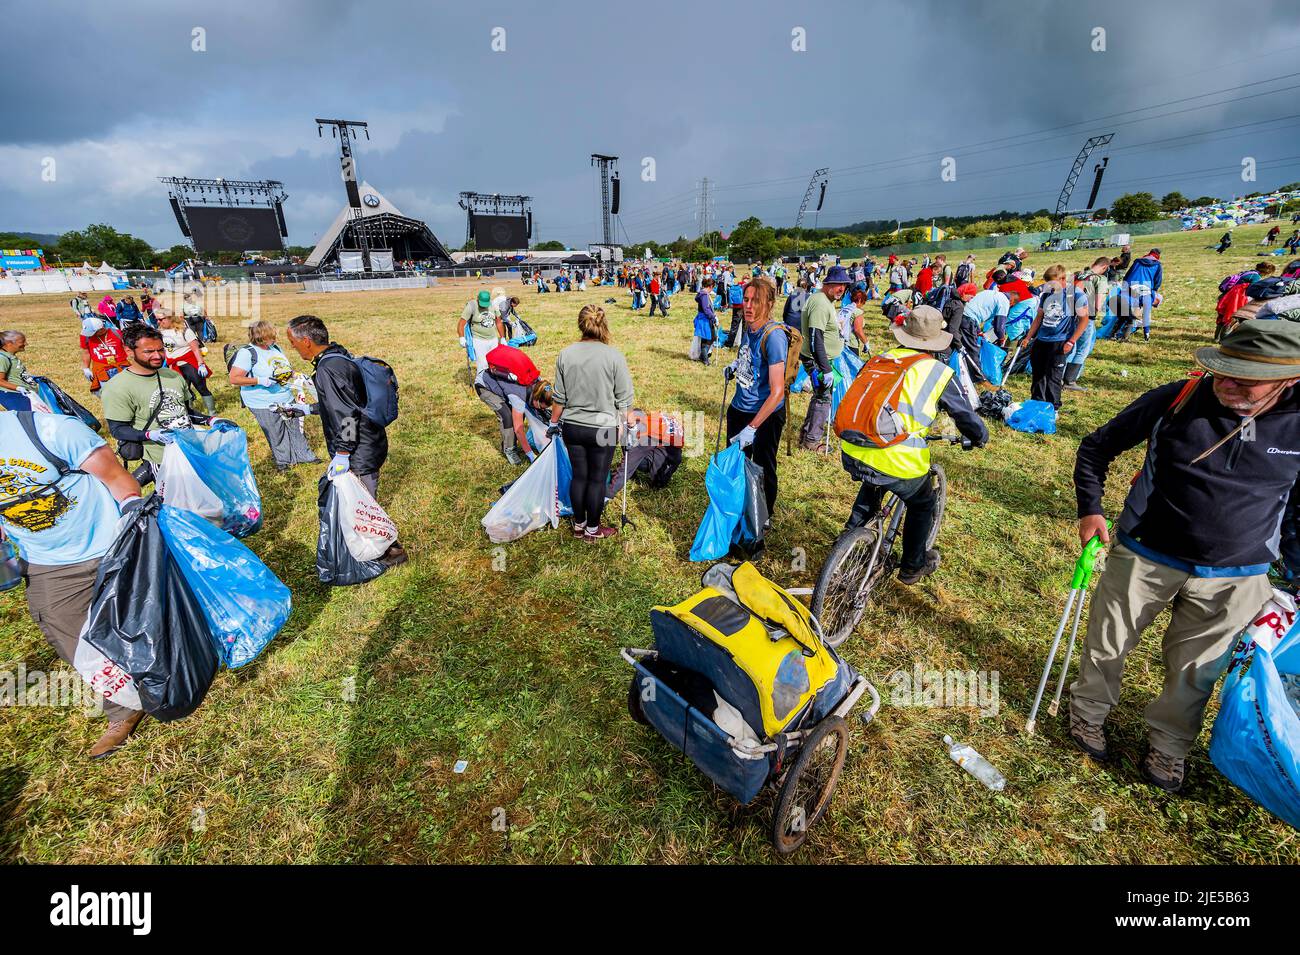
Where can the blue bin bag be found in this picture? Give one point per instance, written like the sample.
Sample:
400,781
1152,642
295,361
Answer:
1255,742
243,602
801,382
563,477
725,483
694,733
219,457
844,369
1034,417
1109,325
991,360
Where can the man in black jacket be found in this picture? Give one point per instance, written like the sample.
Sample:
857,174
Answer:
356,443
1213,506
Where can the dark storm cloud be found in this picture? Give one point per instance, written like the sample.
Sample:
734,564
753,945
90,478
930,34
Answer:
883,93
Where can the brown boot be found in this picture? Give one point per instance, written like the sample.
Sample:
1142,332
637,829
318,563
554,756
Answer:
395,556
115,736
1163,770
1089,737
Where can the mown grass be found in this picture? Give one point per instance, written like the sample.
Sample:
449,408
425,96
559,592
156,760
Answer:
517,672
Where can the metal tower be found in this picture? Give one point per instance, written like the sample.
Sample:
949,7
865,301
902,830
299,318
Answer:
1063,200
819,177
608,165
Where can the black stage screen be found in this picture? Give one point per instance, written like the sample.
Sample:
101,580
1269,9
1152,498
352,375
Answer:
227,229
500,232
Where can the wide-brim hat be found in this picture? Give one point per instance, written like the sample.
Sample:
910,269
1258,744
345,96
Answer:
923,330
1256,350
838,275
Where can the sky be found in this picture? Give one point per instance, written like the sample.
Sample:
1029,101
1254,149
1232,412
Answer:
103,99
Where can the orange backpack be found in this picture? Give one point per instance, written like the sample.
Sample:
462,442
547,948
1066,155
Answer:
868,413
657,427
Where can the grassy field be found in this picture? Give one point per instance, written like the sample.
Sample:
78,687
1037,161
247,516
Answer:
513,666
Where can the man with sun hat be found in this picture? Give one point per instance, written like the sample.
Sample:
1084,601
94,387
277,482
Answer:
1212,508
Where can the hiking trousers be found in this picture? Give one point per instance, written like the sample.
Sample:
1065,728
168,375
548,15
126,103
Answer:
1208,615
58,596
813,433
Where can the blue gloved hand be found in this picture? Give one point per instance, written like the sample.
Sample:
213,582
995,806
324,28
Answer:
532,456
159,437
340,465
746,436
204,371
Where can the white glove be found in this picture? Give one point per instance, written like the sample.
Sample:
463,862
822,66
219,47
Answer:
204,371
340,465
160,437
266,382
90,375
746,437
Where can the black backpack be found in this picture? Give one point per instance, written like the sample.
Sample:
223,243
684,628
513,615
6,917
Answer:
963,274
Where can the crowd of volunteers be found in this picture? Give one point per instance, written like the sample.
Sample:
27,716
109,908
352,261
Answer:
1229,434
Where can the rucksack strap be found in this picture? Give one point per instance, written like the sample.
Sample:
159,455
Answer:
27,421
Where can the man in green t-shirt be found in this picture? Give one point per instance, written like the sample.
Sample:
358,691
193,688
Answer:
13,373
822,344
485,326
147,402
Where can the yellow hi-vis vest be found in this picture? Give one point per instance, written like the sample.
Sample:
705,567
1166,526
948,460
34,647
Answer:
918,406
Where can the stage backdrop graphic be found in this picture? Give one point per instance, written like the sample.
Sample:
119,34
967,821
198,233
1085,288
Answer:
495,233
232,229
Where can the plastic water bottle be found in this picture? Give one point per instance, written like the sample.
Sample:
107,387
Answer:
975,764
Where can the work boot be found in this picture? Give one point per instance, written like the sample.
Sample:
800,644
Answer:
209,405
912,577
1072,373
1164,771
395,556
115,736
1089,737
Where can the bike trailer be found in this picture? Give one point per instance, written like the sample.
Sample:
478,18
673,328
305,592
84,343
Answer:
740,653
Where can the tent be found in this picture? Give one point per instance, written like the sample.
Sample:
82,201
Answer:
385,228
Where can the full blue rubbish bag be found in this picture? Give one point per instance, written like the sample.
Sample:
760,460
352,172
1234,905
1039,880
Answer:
219,457
1255,742
801,382
1034,417
991,360
844,368
243,602
725,482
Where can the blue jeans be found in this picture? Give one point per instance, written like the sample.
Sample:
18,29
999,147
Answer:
1083,347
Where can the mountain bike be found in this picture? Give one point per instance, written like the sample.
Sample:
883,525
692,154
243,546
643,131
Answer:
862,557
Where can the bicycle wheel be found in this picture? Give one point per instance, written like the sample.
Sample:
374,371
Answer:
806,793
846,581
940,480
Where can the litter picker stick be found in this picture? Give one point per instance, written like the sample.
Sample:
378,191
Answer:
1083,568
624,521
1016,354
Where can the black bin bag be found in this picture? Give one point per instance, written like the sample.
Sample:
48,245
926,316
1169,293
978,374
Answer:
145,618
335,564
